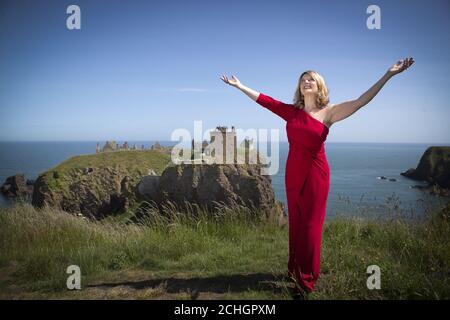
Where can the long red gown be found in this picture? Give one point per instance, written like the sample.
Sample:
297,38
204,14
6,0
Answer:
307,182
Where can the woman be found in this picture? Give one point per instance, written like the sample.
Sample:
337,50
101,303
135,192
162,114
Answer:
307,178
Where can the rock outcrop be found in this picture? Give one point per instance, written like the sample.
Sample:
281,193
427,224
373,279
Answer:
95,193
147,188
434,168
212,185
17,186
112,182
107,186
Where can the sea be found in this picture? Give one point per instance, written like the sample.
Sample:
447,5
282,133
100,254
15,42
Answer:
356,187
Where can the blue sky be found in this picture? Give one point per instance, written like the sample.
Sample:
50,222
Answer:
137,70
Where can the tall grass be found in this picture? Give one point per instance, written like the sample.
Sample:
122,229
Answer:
38,245
42,243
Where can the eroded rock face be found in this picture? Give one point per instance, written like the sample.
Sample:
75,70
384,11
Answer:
206,184
101,191
434,167
147,188
17,186
93,193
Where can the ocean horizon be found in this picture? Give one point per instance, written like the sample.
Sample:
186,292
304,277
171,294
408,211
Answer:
355,171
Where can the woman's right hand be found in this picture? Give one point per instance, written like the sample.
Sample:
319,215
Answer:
232,82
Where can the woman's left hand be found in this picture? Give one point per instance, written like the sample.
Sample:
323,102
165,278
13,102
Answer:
401,66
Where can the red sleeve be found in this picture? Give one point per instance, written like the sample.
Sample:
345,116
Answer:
284,110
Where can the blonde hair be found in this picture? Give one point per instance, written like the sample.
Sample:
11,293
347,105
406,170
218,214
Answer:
322,98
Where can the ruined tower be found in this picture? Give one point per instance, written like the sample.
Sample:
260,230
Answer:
224,145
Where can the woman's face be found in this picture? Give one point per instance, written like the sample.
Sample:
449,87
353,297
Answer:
308,85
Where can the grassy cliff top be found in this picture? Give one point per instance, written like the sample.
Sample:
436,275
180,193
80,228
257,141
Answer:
104,166
132,160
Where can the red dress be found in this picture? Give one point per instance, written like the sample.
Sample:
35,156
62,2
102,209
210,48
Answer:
307,182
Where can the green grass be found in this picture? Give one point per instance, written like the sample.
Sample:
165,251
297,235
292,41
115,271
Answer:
136,163
131,159
233,255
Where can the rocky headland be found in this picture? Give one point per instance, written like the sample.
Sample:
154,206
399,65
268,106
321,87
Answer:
434,169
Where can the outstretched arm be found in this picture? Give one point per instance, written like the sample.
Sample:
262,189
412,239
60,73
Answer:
281,109
234,82
345,109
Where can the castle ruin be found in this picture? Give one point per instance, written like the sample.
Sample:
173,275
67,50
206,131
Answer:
223,148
